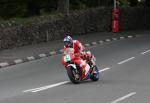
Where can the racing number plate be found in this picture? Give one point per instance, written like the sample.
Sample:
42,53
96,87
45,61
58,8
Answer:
67,58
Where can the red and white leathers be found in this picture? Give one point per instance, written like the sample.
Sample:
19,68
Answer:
79,57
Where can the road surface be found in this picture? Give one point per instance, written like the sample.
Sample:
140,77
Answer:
124,77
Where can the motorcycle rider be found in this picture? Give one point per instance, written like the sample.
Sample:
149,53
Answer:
80,56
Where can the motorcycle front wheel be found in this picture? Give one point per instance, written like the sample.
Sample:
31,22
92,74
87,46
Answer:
73,75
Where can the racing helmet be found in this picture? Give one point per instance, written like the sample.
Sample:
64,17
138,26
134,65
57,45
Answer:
68,41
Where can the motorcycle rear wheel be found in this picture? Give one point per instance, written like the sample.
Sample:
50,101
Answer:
95,76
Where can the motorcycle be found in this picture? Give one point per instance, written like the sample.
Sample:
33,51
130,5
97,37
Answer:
74,71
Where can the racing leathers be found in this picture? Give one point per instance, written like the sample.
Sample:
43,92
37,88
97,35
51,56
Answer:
80,57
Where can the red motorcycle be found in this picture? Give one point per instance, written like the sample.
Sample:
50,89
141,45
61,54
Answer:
74,71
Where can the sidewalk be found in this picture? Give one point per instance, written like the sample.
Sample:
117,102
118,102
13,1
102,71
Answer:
32,52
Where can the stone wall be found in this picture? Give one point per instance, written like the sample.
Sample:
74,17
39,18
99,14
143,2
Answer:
52,27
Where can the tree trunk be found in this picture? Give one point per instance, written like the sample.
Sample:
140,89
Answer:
33,8
63,6
103,2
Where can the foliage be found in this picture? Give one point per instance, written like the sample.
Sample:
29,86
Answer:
133,2
122,3
82,4
147,2
23,8
26,8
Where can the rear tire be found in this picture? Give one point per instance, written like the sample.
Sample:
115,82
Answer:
71,76
95,76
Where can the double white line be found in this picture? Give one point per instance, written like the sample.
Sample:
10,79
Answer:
46,87
65,82
53,85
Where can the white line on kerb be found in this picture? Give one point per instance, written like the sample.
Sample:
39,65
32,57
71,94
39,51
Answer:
124,97
53,85
126,60
145,52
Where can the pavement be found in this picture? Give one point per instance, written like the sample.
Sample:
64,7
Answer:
124,77
23,54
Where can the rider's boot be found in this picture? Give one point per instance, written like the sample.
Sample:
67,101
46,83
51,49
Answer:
92,64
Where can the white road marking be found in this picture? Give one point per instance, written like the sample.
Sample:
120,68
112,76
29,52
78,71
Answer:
145,52
124,97
53,85
124,61
104,69
46,87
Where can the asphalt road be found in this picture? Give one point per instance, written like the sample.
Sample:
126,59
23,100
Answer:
124,77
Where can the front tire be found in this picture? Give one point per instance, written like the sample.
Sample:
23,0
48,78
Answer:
71,74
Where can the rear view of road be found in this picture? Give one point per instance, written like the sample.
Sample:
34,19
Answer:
124,77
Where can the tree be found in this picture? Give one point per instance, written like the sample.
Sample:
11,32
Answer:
104,2
63,6
23,8
133,2
123,3
11,8
33,7
147,2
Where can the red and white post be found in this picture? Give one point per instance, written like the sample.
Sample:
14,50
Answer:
114,19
